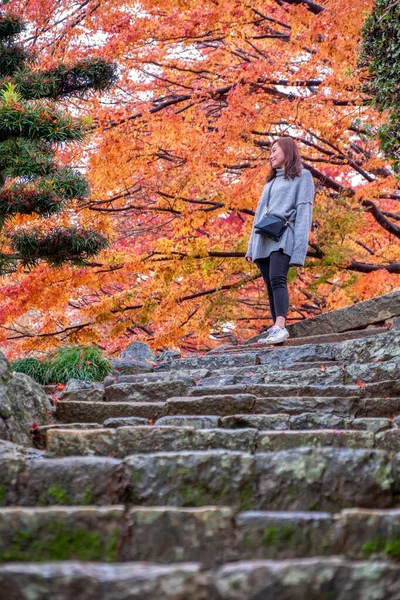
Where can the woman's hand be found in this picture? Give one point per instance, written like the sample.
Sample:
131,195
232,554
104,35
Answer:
248,259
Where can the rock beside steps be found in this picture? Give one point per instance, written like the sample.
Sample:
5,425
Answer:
255,474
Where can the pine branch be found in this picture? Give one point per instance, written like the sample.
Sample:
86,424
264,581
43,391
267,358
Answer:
89,75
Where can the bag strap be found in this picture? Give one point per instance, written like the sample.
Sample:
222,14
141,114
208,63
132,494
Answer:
269,192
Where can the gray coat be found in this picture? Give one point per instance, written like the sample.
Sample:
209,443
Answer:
292,199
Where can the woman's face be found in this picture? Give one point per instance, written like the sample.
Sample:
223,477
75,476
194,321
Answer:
277,158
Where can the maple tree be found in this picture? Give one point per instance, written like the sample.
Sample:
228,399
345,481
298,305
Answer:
178,159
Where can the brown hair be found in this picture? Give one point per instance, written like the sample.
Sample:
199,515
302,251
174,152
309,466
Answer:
292,155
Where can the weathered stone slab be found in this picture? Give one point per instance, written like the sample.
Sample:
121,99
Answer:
216,477
138,351
325,338
324,479
167,535
223,404
269,441
61,533
82,390
125,422
378,348
198,422
303,579
133,440
78,442
45,428
308,579
385,407
370,424
186,375
211,361
68,481
244,440
277,421
318,420
144,392
102,581
388,440
324,405
69,412
10,469
280,535
276,390
11,450
369,534
23,402
356,316
379,380
173,439
129,366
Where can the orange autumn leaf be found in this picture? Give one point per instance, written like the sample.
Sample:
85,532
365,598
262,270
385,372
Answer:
179,160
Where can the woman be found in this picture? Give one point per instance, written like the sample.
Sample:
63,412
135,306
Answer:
290,188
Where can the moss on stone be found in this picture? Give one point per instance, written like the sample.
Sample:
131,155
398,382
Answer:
194,494
55,494
111,551
384,475
249,541
198,494
274,536
2,495
390,547
246,499
183,471
60,542
88,497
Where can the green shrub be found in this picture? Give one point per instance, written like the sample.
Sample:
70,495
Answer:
67,362
32,367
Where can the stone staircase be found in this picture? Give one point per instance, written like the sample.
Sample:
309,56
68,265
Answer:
249,473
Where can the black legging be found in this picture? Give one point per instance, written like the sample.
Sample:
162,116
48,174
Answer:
274,270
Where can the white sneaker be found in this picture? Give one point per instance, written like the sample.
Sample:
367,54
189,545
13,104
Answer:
276,335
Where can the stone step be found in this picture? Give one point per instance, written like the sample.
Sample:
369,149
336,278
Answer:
210,535
157,391
325,338
324,374
63,481
362,390
303,579
324,479
382,347
233,403
221,405
277,422
70,411
299,479
360,314
301,375
126,441
284,422
186,376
